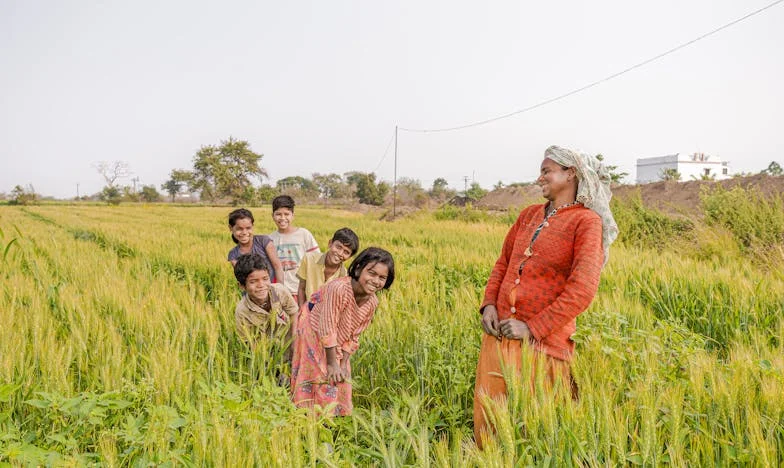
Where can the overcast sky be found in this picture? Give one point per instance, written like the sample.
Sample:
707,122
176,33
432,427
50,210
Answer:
319,86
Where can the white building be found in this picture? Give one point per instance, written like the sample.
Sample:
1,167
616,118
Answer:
689,166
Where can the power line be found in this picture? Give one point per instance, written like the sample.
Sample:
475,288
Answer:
391,139
598,82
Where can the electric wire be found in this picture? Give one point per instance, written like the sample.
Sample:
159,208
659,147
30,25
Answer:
597,82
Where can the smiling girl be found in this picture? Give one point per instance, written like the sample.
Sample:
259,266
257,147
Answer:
241,227
328,330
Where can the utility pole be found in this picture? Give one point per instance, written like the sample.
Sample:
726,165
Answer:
134,180
394,185
77,190
465,184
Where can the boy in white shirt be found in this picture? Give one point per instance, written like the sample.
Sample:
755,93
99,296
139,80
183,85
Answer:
291,242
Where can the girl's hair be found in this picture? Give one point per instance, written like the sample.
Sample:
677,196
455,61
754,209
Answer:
373,255
247,264
236,215
348,238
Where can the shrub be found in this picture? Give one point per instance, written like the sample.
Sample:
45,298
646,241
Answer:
756,221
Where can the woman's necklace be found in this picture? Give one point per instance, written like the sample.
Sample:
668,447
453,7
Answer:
529,250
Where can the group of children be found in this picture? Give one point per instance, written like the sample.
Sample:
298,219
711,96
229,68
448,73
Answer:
289,284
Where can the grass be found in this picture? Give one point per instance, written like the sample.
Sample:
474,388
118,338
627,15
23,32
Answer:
118,348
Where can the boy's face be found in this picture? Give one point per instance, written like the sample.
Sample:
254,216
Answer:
257,286
283,218
337,253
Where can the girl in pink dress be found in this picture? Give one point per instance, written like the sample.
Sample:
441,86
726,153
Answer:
328,330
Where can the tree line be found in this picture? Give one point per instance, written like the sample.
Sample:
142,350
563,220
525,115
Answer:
231,172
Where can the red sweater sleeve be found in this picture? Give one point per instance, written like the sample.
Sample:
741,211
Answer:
581,285
501,265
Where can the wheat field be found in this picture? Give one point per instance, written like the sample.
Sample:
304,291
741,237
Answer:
117,348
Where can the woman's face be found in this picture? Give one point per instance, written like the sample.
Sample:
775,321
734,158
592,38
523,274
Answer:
554,179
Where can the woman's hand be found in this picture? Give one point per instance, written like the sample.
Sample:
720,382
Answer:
515,329
490,320
334,374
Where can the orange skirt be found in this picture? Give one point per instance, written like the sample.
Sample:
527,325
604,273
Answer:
490,380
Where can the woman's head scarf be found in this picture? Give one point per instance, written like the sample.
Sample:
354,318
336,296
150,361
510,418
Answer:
593,188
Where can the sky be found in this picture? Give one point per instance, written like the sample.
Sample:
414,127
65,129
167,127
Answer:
320,86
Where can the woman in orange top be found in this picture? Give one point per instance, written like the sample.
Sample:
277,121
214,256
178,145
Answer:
547,274
328,330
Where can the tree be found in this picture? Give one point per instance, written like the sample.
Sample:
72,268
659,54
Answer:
266,193
23,195
330,185
441,190
670,174
615,176
499,185
149,194
226,171
111,195
298,184
178,179
773,169
475,191
369,191
128,194
112,171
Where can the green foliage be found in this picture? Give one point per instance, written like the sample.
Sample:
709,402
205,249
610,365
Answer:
756,221
226,171
466,214
178,179
774,169
298,185
369,191
641,226
441,190
111,195
616,177
670,174
331,186
149,194
23,195
266,193
475,191
118,349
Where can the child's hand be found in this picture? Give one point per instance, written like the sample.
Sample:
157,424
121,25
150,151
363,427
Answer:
334,374
344,369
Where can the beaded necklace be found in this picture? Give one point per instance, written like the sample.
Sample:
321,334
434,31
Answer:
529,253
529,250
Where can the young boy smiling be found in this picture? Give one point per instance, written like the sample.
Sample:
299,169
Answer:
317,268
292,242
266,308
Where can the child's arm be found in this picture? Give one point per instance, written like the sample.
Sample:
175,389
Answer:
301,296
277,267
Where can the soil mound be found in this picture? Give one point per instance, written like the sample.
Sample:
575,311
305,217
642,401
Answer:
670,197
684,197
511,197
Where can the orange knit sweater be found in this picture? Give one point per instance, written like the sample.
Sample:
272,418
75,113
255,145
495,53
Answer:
558,282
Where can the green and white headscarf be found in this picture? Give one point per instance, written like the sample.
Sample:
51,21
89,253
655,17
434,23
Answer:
593,188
